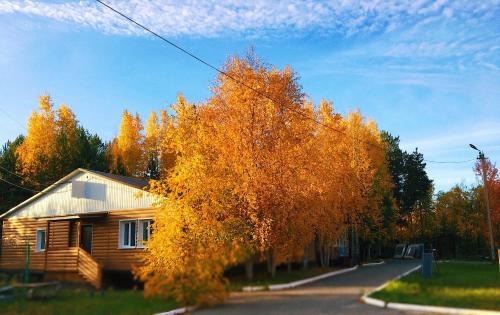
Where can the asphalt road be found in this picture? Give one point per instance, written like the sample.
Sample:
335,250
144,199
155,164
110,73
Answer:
336,295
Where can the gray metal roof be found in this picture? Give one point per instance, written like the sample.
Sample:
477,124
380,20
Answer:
131,181
138,183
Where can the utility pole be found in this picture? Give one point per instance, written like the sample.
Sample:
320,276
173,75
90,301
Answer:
487,200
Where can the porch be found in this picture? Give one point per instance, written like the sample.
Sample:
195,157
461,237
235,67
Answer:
69,245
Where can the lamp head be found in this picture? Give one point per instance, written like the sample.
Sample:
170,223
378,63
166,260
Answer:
474,147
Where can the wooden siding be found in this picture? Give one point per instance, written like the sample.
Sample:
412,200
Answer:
74,233
14,242
58,234
62,259
109,195
105,241
63,237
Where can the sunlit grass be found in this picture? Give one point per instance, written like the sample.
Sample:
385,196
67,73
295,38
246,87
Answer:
77,302
454,284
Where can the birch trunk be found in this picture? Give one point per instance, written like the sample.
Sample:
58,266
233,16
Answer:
305,262
249,269
271,266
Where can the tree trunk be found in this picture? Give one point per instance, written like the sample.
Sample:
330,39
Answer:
321,255
327,251
271,266
305,262
289,266
249,269
317,249
357,248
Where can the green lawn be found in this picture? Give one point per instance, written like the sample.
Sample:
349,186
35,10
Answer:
77,302
455,284
282,276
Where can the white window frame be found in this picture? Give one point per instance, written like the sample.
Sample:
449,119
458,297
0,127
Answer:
38,243
140,240
121,225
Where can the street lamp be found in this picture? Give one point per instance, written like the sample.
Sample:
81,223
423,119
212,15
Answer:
488,211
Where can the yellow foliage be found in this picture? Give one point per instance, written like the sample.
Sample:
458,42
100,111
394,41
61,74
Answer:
51,137
254,174
126,150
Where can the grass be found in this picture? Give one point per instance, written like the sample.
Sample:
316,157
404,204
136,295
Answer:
77,302
282,276
455,284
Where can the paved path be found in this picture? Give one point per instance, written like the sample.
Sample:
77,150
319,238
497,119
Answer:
336,295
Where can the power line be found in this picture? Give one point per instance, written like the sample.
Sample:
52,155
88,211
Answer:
12,118
206,63
201,60
449,162
185,51
12,173
21,187
31,180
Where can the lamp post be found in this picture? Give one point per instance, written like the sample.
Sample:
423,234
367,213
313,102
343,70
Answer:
488,211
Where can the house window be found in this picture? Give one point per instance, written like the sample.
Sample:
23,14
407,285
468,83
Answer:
144,231
40,240
128,234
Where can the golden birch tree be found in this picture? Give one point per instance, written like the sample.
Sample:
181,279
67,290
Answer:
126,150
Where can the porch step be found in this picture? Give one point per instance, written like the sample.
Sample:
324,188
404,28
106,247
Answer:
89,269
75,259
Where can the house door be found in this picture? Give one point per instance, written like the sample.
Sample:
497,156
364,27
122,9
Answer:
86,238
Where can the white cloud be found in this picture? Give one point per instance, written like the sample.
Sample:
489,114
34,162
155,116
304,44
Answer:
486,138
211,18
453,146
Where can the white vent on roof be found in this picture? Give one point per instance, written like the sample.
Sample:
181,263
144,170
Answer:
78,189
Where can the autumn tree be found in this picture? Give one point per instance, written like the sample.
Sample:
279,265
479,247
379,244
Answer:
493,183
237,166
126,150
256,177
37,152
459,222
196,232
152,147
55,145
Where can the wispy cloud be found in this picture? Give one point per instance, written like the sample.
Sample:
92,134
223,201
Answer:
435,50
457,140
215,18
453,146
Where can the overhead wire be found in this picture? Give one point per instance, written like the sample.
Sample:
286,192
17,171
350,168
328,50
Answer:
18,186
201,60
449,162
12,118
206,63
224,73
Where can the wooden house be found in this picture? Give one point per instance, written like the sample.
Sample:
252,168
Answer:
81,227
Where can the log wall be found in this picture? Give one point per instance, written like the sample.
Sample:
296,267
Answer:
64,234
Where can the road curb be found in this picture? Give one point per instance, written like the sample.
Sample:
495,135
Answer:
374,264
293,284
253,288
273,287
283,286
180,310
419,308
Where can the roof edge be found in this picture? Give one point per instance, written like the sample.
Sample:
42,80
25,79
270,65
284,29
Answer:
43,192
57,183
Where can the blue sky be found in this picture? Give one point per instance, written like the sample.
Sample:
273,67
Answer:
428,71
